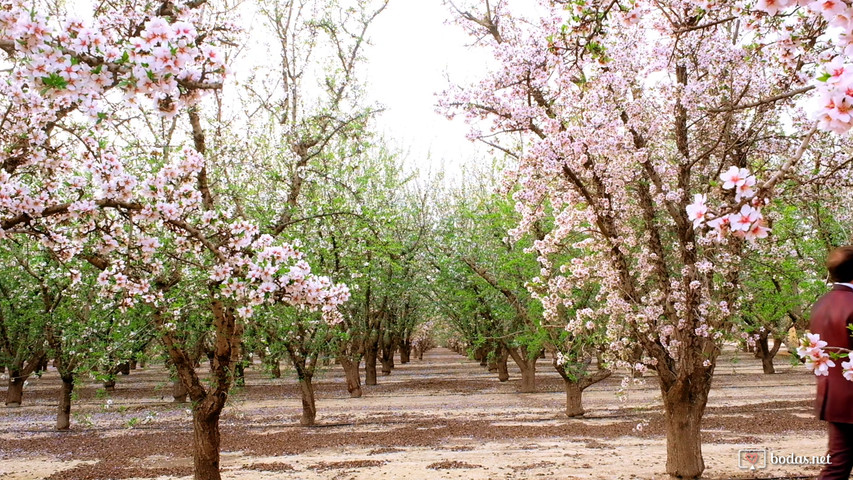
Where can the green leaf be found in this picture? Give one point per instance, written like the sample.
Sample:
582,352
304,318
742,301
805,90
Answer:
54,80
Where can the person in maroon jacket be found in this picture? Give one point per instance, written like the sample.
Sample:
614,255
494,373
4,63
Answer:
831,316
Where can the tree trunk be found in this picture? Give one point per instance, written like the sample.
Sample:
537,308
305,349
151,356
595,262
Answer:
405,352
15,393
528,379
133,364
765,353
528,369
387,357
309,407
480,356
574,399
386,366
179,391
352,376
239,374
684,405
42,366
272,364
124,368
110,384
370,365
206,440
503,372
63,415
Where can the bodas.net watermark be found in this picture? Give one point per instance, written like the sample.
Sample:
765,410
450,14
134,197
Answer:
759,458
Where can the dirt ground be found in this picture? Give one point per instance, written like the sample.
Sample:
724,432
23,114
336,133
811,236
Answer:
441,418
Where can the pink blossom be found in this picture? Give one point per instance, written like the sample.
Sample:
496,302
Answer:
744,190
696,211
734,177
757,231
149,245
742,221
848,370
828,8
820,364
772,7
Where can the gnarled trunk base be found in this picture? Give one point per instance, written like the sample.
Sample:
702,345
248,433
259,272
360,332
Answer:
15,393
206,440
684,407
503,371
574,399
370,366
528,380
309,407
386,367
352,376
63,415
179,391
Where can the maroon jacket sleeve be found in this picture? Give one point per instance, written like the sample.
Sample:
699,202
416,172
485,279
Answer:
831,316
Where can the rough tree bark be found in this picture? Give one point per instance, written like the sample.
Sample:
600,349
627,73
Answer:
353,378
18,375
765,352
206,437
493,365
501,359
527,366
405,352
15,392
481,356
309,405
387,359
576,386
180,394
684,404
110,384
63,415
370,352
207,401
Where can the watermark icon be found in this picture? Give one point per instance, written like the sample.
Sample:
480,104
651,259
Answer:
760,458
752,458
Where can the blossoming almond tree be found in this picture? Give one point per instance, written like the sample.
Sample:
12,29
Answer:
151,223
829,104
626,112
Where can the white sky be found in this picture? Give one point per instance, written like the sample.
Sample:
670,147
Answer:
413,51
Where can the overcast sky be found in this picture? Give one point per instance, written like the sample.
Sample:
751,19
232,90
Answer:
413,52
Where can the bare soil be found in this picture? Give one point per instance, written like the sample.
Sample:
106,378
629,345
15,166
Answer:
444,417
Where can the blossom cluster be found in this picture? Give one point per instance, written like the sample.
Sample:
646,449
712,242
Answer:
834,85
748,222
62,72
74,61
279,274
249,267
812,350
